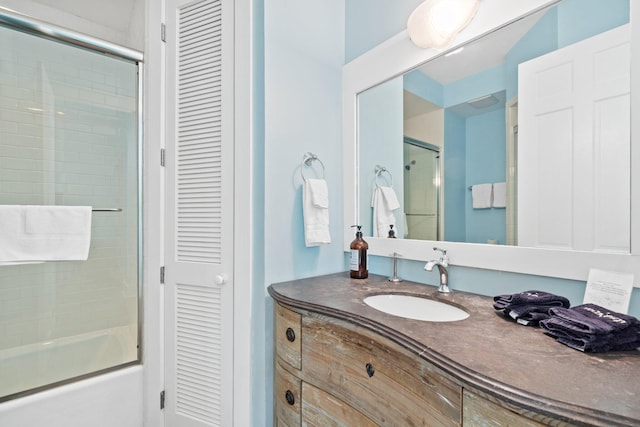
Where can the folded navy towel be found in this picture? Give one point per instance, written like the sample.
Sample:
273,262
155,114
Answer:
560,328
592,328
627,339
533,297
593,319
598,347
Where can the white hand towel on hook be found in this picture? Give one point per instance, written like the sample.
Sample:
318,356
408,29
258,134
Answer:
481,195
383,202
31,234
315,212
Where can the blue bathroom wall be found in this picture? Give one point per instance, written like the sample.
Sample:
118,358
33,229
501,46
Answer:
579,19
261,400
299,52
455,165
370,22
540,39
483,83
486,163
567,23
423,86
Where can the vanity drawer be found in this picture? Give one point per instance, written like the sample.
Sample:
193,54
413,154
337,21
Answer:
377,377
481,412
319,408
288,337
287,399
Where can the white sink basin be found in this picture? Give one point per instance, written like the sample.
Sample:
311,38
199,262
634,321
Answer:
412,307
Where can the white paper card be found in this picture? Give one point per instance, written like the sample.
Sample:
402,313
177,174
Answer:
609,289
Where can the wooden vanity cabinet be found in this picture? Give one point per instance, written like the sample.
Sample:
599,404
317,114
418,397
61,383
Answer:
349,376
330,372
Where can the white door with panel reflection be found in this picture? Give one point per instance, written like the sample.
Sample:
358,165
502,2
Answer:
574,133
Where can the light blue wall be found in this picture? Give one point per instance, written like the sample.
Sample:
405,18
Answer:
260,358
483,83
579,19
299,96
455,177
370,22
423,86
569,22
486,163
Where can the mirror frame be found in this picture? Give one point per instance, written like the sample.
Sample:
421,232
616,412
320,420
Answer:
397,56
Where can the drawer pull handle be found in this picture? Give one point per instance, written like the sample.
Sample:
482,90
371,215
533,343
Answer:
290,398
291,335
370,369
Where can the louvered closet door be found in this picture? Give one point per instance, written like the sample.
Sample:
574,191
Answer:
199,215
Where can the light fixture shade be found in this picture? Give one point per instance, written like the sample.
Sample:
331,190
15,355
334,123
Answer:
436,22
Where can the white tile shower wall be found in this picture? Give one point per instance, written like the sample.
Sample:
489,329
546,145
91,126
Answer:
68,137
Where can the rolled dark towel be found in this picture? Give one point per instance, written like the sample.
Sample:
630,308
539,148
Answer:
533,297
529,307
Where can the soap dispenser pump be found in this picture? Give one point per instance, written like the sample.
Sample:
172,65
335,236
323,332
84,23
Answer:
359,256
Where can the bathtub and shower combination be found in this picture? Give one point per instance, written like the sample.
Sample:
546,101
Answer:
70,134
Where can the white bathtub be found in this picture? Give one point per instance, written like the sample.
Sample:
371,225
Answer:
34,365
110,399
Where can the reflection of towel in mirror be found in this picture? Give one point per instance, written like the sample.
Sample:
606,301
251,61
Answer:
315,212
383,202
481,195
499,195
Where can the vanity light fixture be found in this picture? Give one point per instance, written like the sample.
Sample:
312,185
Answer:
435,23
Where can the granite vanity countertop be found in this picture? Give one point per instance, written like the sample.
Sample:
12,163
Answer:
515,363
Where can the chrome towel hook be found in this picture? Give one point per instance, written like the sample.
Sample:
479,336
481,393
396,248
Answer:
379,171
307,160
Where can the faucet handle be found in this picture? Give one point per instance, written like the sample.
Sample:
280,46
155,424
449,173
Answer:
444,259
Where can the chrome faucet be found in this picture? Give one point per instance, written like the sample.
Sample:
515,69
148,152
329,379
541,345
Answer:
442,265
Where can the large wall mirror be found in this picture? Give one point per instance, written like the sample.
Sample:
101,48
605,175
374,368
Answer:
512,148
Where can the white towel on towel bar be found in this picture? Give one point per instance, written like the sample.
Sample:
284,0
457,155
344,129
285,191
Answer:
499,195
315,212
481,195
31,234
383,201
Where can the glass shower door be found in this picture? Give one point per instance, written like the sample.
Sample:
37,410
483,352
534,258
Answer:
69,135
421,190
